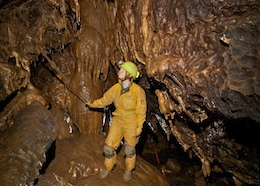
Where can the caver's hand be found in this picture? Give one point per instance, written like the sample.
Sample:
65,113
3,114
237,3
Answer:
138,133
88,104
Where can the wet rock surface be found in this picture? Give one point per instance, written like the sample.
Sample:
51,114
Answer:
24,145
18,103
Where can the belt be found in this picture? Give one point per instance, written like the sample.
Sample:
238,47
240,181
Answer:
124,113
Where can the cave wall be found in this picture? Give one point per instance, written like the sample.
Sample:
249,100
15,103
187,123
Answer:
49,49
27,34
207,59
204,52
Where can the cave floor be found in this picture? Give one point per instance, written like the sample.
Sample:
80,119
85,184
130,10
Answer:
78,160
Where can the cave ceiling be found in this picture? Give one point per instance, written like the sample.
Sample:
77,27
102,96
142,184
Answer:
198,59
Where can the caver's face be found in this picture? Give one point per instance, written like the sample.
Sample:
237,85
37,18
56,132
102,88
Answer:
121,74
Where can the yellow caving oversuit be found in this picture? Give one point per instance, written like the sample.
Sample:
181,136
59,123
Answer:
128,119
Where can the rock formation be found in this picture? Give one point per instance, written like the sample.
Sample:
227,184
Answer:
24,145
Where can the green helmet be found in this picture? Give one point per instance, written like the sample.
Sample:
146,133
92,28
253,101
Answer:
131,68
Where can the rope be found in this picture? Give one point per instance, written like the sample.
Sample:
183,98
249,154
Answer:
66,87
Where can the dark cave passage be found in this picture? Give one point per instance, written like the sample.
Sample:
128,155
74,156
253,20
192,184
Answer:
244,131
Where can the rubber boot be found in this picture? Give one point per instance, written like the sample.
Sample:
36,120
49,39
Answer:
127,175
103,174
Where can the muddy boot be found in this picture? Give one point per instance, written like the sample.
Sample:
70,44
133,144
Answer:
103,174
127,175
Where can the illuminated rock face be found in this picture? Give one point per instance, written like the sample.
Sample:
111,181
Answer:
24,144
200,58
